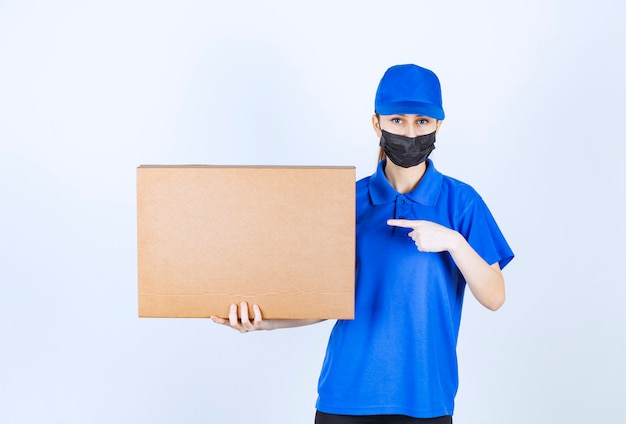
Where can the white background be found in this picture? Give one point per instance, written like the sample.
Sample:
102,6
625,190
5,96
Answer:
534,93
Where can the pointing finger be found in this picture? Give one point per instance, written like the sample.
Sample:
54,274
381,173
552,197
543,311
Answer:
404,223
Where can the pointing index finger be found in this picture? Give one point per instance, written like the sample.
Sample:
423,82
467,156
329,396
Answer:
404,223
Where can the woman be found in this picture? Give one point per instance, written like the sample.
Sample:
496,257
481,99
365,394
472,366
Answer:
421,237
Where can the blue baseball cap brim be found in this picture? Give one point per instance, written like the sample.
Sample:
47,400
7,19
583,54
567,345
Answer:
416,108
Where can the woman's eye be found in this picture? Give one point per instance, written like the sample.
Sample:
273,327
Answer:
396,120
422,122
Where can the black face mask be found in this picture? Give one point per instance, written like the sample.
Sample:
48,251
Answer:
407,151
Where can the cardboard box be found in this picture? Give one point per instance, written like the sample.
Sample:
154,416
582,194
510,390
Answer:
279,237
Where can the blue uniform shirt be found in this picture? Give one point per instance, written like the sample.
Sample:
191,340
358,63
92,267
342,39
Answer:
398,356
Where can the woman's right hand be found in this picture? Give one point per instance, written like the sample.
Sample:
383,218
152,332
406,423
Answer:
244,325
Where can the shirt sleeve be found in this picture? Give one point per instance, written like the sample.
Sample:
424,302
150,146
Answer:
480,229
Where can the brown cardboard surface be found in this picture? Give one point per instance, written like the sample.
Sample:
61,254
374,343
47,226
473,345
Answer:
279,237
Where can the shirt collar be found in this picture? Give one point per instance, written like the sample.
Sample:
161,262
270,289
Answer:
426,192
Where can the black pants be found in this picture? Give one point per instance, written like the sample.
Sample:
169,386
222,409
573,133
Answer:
322,418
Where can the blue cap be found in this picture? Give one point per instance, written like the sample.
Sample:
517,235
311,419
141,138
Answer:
409,89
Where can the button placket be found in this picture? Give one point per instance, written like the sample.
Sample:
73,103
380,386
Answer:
403,207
